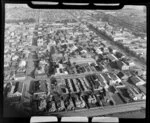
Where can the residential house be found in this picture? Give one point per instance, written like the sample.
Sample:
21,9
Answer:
115,78
117,99
121,75
112,58
136,80
19,76
121,65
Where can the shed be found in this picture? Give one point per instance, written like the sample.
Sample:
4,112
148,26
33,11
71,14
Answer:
136,80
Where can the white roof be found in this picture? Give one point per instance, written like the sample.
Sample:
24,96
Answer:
15,57
22,63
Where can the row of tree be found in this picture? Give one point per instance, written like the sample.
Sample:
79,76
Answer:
120,45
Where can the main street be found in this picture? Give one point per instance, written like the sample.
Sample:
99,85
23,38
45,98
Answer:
103,110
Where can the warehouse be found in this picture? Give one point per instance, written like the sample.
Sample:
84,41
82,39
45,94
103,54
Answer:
136,80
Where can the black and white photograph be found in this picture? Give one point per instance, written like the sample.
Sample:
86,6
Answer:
75,62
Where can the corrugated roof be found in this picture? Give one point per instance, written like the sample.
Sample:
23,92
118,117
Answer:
134,79
117,99
112,57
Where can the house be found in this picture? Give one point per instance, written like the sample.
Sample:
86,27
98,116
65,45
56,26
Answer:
117,99
115,78
100,67
136,80
19,77
98,51
134,94
121,75
103,81
119,55
107,78
106,50
114,51
19,87
124,92
37,86
41,70
15,57
82,60
22,63
130,63
121,65
57,57
112,89
112,58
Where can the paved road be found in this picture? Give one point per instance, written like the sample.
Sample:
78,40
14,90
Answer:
103,111
76,75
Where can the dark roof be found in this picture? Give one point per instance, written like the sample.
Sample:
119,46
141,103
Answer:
113,76
124,91
119,63
117,99
112,89
120,74
134,79
34,87
20,87
118,55
111,57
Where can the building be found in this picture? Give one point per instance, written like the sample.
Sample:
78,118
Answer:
121,65
121,75
82,60
112,89
117,99
103,81
19,77
134,94
57,57
130,63
22,63
115,78
108,78
112,58
136,80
